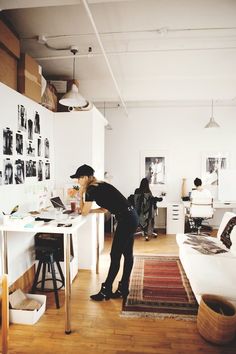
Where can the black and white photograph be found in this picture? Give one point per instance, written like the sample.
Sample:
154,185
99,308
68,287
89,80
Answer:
22,118
211,167
19,143
7,141
39,149
7,171
19,171
46,148
47,170
37,123
40,170
29,168
30,149
30,129
155,169
0,178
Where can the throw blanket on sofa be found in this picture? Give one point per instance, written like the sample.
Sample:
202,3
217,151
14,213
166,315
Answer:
225,236
203,245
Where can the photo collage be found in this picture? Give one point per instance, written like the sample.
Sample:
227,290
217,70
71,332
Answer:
25,152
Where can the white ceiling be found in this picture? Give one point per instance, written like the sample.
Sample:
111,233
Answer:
157,49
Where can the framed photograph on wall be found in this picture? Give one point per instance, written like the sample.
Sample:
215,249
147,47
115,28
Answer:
153,166
22,118
212,163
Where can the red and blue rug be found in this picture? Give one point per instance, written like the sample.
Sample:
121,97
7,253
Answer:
159,288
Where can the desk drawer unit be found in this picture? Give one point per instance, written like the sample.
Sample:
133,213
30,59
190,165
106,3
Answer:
175,219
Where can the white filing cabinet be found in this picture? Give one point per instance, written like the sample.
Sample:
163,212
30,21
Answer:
175,218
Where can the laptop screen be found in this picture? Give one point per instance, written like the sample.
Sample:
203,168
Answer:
57,203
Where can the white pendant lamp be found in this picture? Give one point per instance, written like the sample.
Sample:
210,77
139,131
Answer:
212,123
73,98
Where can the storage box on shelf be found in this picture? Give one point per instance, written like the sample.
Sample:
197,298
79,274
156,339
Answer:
29,77
9,55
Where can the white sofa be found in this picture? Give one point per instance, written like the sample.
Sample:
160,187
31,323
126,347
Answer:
211,274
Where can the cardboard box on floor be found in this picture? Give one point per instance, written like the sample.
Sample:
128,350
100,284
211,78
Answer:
26,308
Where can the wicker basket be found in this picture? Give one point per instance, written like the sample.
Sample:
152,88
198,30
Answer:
216,320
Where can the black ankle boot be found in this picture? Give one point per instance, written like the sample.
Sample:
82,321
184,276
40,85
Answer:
104,294
121,292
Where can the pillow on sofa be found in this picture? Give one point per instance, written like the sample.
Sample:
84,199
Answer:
233,240
226,217
225,235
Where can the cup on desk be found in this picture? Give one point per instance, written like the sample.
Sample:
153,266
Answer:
73,205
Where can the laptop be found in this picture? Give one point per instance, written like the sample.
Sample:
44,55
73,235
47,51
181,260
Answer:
57,203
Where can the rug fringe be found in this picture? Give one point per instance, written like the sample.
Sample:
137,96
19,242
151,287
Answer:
160,316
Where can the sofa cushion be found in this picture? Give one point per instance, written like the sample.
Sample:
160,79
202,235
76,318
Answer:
225,235
227,216
209,274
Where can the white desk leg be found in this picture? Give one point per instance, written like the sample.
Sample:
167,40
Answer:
97,243
67,283
5,314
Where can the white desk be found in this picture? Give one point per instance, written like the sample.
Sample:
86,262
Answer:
47,228
175,215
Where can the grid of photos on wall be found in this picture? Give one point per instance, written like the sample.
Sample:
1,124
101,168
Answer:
26,153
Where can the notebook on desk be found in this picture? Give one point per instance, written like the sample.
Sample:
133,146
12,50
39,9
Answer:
57,203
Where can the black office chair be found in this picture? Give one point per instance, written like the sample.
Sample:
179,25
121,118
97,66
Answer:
145,205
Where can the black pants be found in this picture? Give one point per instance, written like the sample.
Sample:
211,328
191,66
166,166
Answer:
123,244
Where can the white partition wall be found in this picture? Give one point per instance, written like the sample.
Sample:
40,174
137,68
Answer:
79,139
19,148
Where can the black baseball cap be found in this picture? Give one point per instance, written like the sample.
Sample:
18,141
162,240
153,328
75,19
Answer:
83,170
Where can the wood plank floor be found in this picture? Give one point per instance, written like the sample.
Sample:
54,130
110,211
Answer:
99,328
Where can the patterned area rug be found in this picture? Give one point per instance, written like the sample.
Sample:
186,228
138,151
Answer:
159,288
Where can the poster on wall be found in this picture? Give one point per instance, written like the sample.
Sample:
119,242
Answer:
30,129
7,171
46,148
39,143
19,171
7,141
153,166
22,118
47,170
30,167
37,123
19,143
40,170
211,165
30,149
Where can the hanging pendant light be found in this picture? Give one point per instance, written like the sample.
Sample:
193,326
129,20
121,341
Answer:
73,98
212,123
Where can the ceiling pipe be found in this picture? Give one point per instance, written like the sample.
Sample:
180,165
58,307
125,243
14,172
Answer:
104,53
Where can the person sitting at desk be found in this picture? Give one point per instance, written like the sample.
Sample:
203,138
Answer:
198,195
199,192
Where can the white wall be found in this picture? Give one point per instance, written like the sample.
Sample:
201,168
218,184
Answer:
26,195
79,139
178,131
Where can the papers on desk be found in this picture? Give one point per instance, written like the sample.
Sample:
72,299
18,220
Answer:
17,219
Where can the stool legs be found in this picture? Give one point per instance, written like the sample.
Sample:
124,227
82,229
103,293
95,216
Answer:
42,264
36,277
54,282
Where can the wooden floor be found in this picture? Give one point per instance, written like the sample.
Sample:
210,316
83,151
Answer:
99,328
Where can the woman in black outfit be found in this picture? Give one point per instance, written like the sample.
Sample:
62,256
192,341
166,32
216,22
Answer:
109,198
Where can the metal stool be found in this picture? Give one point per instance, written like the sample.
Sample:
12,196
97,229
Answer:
47,256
